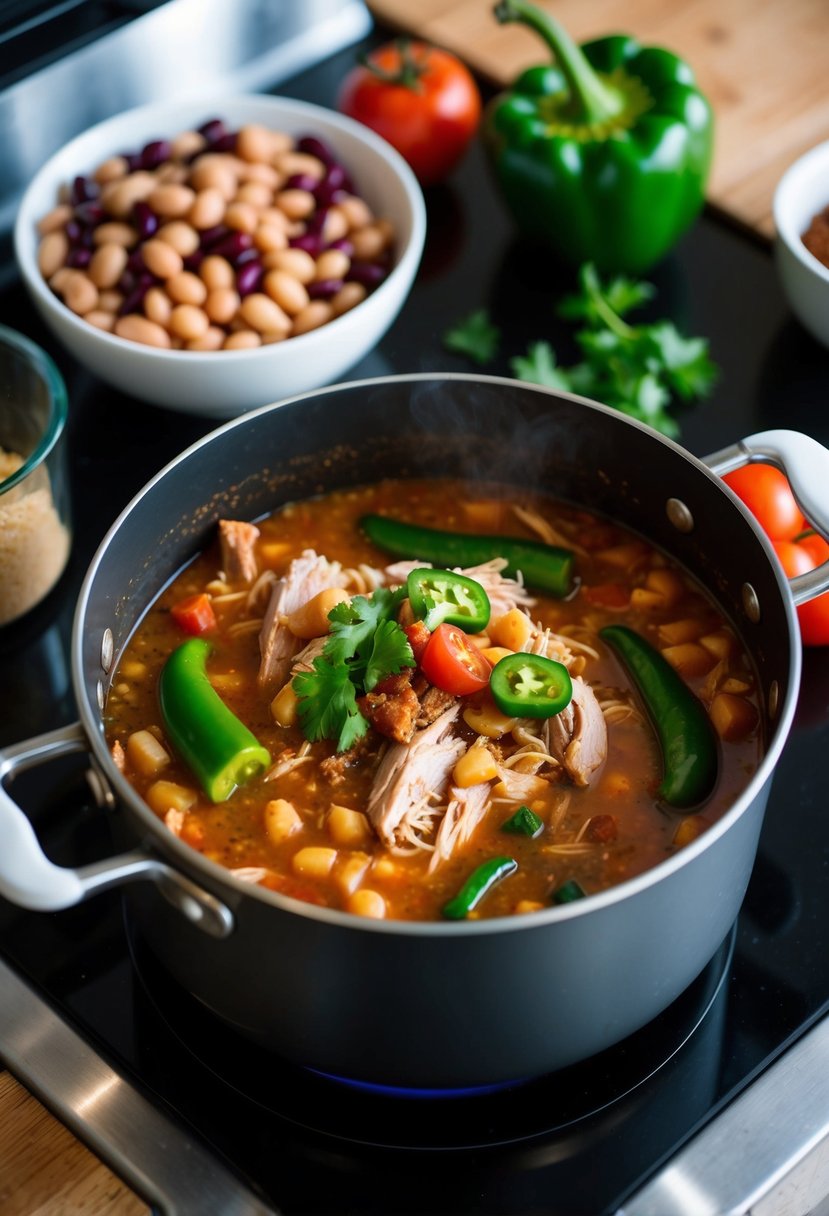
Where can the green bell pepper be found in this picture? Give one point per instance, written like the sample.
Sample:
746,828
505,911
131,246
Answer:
603,155
208,736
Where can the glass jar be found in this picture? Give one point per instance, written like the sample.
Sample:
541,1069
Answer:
35,520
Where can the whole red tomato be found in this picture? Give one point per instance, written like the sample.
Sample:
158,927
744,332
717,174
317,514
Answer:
797,558
421,99
766,493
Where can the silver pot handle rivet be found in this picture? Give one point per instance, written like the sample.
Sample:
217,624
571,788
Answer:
774,698
107,650
751,604
679,515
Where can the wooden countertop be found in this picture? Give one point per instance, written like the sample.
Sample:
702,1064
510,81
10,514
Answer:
761,63
46,1171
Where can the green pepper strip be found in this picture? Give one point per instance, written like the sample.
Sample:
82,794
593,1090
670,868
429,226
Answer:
545,567
208,736
686,735
523,823
530,686
568,892
442,595
480,881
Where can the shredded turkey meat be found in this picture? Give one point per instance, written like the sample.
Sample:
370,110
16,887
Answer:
577,737
237,541
504,593
306,576
409,789
465,811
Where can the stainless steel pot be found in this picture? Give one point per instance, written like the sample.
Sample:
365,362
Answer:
431,1004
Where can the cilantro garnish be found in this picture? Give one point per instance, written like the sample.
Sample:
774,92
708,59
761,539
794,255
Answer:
475,336
365,645
641,370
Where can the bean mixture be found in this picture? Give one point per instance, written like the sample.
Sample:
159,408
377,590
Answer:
433,791
215,240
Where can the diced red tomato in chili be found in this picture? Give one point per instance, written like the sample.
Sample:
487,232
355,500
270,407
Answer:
453,663
607,595
419,637
194,614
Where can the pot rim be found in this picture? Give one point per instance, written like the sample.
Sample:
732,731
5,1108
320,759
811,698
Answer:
213,874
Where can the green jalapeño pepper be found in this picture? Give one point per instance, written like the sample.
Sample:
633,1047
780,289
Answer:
686,735
442,595
479,882
208,736
545,567
604,154
530,686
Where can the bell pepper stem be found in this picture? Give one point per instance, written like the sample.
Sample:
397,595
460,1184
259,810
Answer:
591,100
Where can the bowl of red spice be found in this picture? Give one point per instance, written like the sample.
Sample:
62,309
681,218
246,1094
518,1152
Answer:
801,218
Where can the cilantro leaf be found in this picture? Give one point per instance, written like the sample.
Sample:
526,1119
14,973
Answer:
475,336
390,653
327,704
538,366
365,645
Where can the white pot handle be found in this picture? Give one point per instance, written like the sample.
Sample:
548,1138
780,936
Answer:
29,879
806,464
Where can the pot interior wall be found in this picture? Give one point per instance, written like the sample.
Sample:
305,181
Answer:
478,427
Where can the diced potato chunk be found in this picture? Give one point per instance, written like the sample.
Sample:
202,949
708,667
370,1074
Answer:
733,717
349,870
134,669
689,659
512,630
284,706
282,819
314,861
272,552
624,556
485,514
494,654
674,633
668,583
477,764
347,826
164,796
146,754
689,829
643,597
528,905
367,903
614,784
737,686
721,643
487,720
385,868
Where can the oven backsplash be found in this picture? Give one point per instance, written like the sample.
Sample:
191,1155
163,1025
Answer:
52,87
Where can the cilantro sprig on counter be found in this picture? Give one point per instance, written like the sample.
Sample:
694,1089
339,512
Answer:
365,645
475,336
638,369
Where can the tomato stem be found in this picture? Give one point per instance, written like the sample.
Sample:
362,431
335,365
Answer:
409,72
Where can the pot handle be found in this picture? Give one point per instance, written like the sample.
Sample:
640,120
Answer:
29,879
806,465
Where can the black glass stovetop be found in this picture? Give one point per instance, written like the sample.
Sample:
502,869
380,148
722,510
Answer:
571,1144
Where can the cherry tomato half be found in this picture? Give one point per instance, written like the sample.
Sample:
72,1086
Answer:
766,493
453,663
813,617
420,99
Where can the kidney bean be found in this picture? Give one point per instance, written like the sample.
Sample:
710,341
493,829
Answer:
79,258
249,277
308,243
232,246
316,147
193,261
134,299
211,236
301,181
78,234
226,143
370,274
135,262
212,130
344,245
146,220
323,289
83,190
155,153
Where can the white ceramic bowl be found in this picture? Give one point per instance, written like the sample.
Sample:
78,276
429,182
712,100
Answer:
223,384
802,192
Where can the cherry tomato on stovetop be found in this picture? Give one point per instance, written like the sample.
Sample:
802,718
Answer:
796,558
453,663
766,493
421,99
